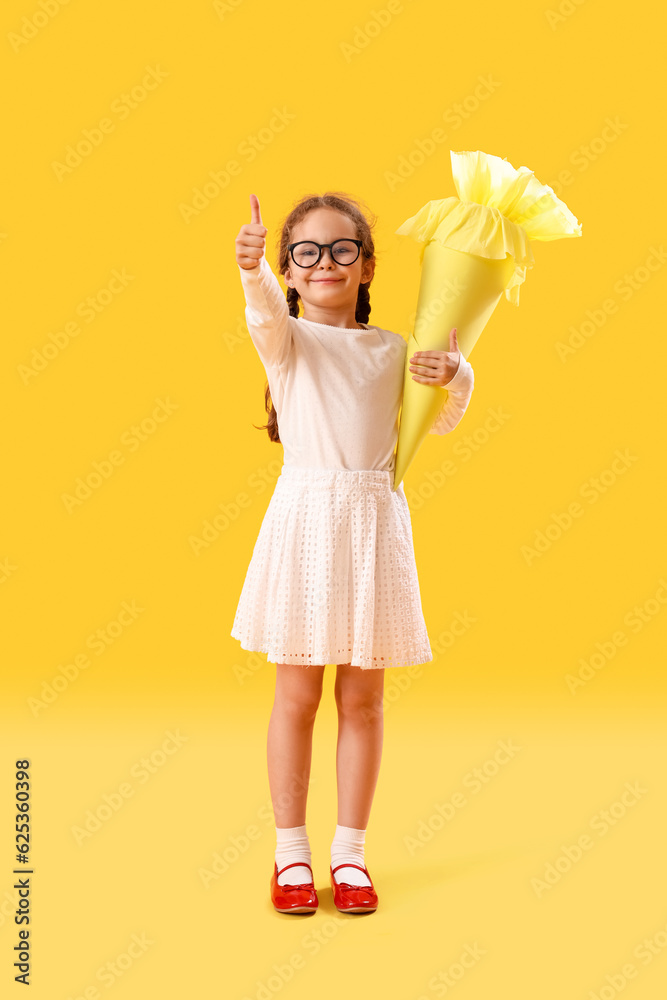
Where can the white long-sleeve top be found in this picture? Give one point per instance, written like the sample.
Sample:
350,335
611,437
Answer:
336,391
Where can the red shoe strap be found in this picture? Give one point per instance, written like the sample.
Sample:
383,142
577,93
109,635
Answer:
349,864
295,864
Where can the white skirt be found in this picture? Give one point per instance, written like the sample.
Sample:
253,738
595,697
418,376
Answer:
333,578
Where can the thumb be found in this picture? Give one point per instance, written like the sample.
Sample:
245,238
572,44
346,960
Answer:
255,214
453,342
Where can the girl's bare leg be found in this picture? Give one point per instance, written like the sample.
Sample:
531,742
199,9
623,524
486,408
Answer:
290,740
359,695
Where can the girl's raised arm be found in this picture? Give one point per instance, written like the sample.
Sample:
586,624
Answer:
266,311
459,390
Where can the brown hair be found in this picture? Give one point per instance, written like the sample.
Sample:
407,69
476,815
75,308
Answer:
350,207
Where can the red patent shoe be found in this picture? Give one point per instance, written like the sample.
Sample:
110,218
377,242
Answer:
350,898
298,898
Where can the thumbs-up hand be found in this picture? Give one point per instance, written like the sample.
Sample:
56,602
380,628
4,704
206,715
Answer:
251,239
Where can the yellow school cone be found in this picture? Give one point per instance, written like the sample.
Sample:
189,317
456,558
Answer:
474,247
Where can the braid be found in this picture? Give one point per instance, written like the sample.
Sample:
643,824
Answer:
363,312
272,426
293,302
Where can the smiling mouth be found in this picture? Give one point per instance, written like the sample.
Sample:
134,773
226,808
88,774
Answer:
326,281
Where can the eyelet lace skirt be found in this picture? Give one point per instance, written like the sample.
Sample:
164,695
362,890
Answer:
333,578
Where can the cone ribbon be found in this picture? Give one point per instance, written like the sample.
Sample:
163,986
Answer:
474,248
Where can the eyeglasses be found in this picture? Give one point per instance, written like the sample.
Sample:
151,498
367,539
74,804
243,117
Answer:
306,253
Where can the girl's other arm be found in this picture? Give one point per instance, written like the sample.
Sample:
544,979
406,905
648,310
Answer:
266,311
459,390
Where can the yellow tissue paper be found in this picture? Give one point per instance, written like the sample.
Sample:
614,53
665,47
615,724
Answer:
474,247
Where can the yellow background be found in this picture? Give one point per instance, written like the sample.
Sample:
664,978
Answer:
362,90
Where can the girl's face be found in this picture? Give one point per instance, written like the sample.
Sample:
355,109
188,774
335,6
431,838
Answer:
327,284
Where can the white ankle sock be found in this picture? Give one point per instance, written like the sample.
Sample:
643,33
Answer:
348,845
292,845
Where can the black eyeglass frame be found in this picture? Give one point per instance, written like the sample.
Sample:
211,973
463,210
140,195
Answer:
325,246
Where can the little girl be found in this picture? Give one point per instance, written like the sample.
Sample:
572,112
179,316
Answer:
332,578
